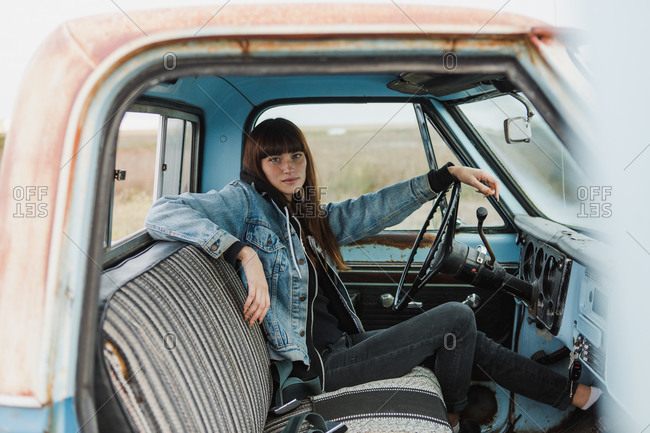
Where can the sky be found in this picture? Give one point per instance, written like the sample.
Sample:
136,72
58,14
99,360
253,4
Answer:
26,23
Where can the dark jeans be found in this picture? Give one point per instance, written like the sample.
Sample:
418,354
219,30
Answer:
447,336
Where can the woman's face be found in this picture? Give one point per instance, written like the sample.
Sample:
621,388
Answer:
286,172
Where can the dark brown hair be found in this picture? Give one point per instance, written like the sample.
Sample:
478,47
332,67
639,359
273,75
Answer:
277,136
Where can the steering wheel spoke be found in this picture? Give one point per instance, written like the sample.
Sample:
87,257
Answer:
437,253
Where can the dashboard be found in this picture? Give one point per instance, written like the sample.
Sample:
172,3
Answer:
570,291
547,270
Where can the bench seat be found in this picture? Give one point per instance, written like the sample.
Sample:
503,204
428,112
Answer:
175,354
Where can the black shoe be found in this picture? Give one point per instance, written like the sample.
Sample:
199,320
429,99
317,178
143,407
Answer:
469,426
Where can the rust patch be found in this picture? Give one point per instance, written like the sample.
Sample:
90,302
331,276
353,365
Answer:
543,333
402,241
389,273
120,359
245,46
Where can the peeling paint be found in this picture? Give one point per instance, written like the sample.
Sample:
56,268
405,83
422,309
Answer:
543,333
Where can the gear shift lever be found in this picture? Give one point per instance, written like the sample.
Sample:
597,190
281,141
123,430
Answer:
481,214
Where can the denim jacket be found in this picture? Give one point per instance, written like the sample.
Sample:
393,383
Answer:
214,221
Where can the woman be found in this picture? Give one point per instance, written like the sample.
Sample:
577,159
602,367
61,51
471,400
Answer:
289,248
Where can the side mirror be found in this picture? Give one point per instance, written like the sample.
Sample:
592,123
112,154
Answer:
517,130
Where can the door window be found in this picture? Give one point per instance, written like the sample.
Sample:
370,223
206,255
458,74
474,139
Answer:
156,156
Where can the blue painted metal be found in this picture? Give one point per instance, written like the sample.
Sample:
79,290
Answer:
503,245
568,331
572,325
225,112
261,90
534,416
24,420
59,418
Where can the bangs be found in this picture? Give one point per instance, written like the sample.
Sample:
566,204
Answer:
278,136
278,144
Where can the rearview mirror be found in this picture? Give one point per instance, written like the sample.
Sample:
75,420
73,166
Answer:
517,130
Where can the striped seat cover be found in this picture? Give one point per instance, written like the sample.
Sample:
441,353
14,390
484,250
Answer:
175,355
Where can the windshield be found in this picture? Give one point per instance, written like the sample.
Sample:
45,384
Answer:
547,174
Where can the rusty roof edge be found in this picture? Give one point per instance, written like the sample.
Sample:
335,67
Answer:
290,14
443,22
77,43
432,31
117,57
302,31
21,401
136,45
563,34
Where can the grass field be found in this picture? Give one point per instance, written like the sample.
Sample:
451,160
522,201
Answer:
364,160
133,196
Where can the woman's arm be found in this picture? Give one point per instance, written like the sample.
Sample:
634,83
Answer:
212,221
370,213
367,215
258,301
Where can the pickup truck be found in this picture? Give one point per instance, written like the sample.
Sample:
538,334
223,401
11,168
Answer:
114,113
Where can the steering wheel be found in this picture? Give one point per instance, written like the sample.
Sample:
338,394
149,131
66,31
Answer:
440,249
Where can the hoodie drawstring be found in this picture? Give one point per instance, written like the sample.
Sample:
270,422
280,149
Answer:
293,254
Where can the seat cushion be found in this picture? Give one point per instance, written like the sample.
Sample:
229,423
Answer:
176,349
411,403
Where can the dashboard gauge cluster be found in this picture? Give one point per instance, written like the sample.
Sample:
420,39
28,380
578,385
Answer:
548,270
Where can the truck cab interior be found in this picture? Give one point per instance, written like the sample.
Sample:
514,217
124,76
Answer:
541,295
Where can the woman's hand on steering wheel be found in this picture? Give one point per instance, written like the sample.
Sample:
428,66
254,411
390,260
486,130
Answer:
477,178
444,240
